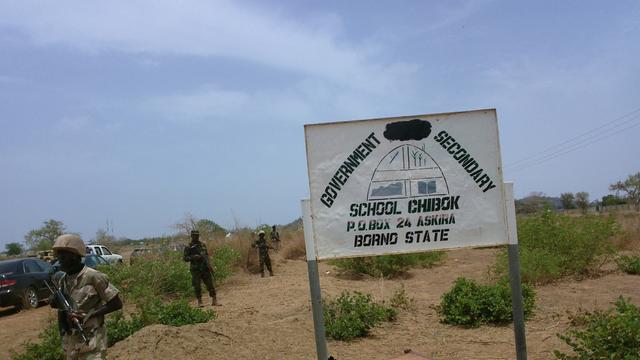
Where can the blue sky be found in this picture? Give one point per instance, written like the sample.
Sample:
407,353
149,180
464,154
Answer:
143,111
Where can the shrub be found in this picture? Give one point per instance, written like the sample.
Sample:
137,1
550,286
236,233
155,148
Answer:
166,275
387,266
554,245
400,300
119,328
222,261
175,313
48,348
353,315
629,264
611,334
471,304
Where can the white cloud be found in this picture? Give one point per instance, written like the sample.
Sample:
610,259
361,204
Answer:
208,102
204,28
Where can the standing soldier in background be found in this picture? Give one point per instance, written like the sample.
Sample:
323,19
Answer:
91,297
263,249
201,271
275,238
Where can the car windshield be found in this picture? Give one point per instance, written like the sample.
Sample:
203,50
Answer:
8,267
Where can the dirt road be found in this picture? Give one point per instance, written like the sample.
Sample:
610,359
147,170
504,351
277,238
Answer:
270,318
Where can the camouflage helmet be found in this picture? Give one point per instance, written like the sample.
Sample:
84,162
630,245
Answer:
194,232
261,232
71,243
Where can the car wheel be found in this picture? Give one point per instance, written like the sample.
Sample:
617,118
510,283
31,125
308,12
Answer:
30,299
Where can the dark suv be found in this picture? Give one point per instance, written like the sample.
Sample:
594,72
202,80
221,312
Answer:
22,282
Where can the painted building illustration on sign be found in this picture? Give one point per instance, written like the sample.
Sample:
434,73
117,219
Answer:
407,171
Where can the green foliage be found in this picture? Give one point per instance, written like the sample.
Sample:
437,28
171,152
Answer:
629,264
567,200
631,187
43,238
48,348
553,245
223,260
166,276
471,304
611,334
582,201
206,226
533,203
387,266
153,311
352,315
119,328
13,248
609,200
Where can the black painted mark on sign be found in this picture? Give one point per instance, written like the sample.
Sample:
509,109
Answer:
415,129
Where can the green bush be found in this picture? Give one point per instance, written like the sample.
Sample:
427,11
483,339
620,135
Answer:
629,264
387,266
166,275
471,304
119,328
553,245
222,261
48,348
352,315
611,334
175,313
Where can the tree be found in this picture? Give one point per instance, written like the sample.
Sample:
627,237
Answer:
533,203
567,200
582,201
13,248
631,187
207,226
188,224
103,237
43,238
609,200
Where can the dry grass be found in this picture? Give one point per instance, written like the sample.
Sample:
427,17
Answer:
629,237
240,241
293,246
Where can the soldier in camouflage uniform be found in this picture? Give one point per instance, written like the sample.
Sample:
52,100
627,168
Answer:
275,238
91,297
201,271
263,250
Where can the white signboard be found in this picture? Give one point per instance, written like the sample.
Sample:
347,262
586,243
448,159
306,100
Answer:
406,184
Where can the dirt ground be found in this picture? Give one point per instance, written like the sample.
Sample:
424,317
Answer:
270,318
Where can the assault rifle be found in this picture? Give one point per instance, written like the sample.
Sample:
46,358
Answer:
64,309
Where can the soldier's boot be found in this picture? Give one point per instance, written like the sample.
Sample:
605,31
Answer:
214,301
200,302
270,273
262,274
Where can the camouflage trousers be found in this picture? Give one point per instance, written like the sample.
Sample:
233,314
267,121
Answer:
75,349
265,260
198,277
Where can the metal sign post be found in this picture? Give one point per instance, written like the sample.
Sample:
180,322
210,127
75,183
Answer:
314,281
514,274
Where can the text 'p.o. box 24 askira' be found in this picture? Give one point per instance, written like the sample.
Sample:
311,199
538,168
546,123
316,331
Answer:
406,184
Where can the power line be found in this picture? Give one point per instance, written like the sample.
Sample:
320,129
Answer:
567,143
574,147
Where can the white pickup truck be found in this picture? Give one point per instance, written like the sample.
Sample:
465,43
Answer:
105,253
